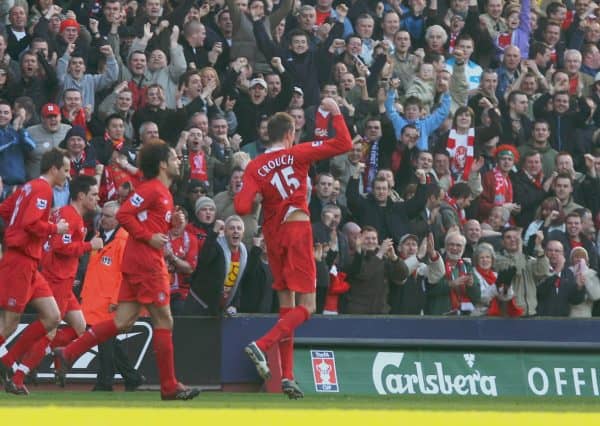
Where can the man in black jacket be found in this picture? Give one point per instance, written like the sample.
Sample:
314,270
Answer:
391,220
221,265
574,237
527,188
250,107
564,120
326,232
562,288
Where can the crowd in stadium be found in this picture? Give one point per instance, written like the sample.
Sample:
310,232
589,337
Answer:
472,187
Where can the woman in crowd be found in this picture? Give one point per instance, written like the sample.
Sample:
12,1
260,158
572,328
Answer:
497,295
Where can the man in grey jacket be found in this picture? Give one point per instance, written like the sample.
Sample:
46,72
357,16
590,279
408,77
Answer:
71,68
530,271
46,135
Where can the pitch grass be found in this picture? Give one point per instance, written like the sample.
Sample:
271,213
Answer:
245,401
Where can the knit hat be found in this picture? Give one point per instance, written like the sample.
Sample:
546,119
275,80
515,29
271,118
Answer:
203,202
579,250
74,131
69,23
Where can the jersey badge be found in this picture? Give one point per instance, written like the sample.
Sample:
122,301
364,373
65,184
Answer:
41,203
136,200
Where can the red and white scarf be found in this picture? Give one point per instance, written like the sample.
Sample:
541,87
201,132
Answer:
503,192
198,169
461,156
322,124
458,295
460,212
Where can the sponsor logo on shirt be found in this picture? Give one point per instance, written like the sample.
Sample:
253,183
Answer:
41,203
66,238
136,200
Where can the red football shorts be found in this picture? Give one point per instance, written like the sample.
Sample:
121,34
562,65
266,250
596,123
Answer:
65,299
20,281
151,289
291,258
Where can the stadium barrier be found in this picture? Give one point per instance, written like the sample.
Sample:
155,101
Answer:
382,355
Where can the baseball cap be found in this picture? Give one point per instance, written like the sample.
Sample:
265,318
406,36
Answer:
256,81
50,109
409,236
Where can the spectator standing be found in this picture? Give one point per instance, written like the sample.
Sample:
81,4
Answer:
580,268
99,296
374,269
457,292
529,270
46,135
15,146
561,289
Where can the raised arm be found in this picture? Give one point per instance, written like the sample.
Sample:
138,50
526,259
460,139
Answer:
244,200
340,143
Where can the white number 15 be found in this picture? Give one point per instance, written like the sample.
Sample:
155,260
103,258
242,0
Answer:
291,183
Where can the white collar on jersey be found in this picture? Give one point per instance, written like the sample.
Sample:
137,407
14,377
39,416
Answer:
274,148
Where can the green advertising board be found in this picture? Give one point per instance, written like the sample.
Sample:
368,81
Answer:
438,372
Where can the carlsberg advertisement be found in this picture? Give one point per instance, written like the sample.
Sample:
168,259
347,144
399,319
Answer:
433,372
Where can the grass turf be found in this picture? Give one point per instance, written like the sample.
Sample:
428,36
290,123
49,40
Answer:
220,400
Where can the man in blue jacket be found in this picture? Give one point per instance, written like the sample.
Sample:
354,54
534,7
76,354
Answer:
15,144
412,114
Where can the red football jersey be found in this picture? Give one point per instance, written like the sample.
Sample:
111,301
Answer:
280,175
147,212
62,252
27,212
185,247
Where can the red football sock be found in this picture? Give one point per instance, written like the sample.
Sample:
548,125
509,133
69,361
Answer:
284,327
286,350
99,333
32,333
2,340
163,349
31,359
64,336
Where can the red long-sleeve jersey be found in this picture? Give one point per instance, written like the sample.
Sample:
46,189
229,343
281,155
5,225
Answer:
147,212
62,252
26,213
280,175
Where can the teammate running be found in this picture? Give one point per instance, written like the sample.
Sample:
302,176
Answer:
59,267
26,213
147,216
